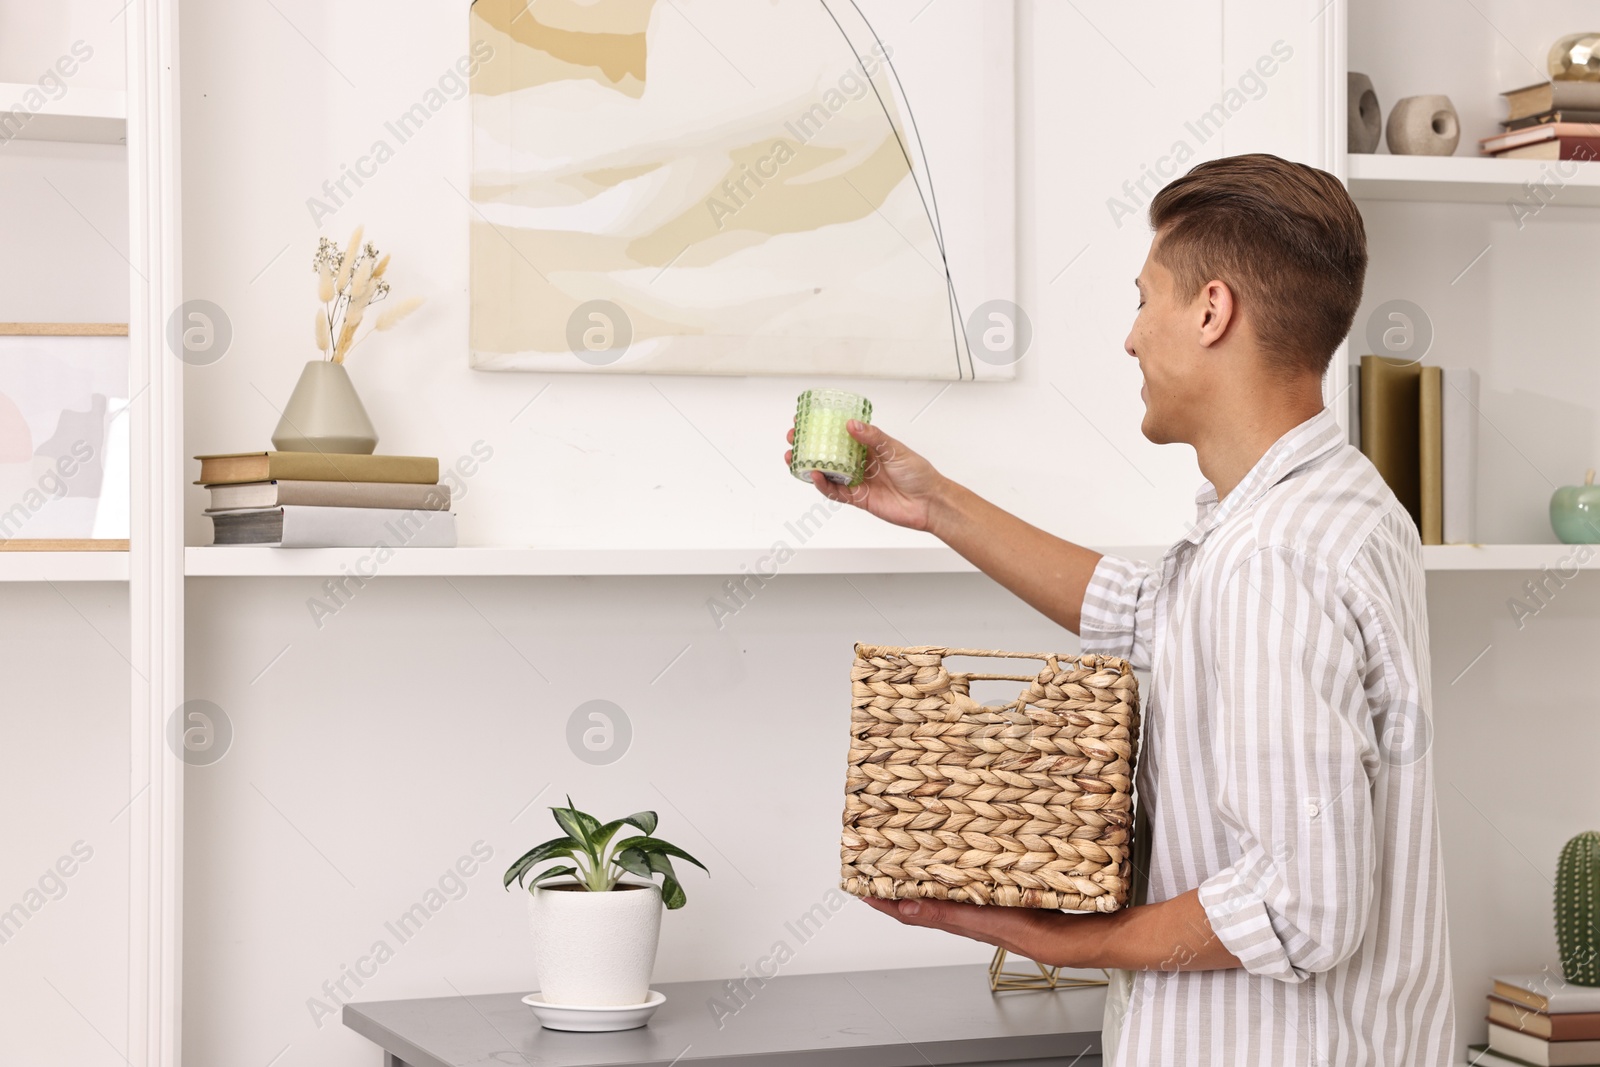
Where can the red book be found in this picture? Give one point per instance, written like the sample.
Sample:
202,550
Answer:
1549,131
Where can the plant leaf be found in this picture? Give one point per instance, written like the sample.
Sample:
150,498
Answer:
560,846
568,819
655,844
659,864
551,872
644,820
672,894
634,861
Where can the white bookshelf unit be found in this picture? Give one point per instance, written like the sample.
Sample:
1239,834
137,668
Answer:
1496,253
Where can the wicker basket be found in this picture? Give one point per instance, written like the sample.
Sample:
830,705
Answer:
1024,805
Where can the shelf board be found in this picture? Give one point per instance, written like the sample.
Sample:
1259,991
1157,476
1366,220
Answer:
1508,557
250,561
218,561
81,114
1471,179
98,566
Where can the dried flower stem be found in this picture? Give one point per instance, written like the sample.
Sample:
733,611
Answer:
348,282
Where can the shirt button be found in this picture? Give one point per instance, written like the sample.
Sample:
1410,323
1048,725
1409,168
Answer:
1313,809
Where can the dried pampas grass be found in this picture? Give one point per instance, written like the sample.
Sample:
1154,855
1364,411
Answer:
348,282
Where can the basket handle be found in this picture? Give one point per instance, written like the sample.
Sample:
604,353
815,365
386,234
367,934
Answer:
992,677
1044,657
992,653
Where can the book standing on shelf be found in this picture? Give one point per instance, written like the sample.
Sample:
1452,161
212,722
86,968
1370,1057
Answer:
1419,426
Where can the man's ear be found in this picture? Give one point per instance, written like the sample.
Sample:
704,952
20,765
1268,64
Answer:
1217,312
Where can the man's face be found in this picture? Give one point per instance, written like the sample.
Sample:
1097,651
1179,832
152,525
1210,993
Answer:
1164,339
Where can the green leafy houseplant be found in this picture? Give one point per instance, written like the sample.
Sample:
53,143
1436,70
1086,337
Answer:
599,862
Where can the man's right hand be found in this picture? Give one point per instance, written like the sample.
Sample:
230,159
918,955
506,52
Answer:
903,488
900,486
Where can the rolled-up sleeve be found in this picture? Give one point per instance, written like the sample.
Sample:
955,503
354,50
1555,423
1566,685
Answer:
1119,610
1295,750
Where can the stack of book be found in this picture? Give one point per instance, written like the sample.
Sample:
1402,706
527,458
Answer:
1419,426
1541,1020
1549,120
327,500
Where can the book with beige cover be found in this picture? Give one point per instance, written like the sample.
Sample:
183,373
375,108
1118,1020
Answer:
228,467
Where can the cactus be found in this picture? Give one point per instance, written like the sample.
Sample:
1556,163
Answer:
1578,909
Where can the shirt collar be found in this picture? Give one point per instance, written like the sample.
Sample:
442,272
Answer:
1308,441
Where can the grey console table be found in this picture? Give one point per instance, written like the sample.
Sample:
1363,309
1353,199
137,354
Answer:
891,1018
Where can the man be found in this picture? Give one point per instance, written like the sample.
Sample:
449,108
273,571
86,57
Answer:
1296,910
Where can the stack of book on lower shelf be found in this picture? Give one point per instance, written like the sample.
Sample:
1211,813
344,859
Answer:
1419,426
327,500
1549,120
1542,1020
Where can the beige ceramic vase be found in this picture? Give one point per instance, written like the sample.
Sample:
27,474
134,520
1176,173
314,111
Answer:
324,414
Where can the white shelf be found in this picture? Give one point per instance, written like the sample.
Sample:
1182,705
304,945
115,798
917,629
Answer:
63,566
217,561
1471,179
248,561
89,116
1507,557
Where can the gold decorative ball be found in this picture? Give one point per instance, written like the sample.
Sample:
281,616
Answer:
1576,57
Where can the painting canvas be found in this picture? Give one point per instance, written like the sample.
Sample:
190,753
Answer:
733,187
64,439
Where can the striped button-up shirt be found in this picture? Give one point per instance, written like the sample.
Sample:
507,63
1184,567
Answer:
1284,770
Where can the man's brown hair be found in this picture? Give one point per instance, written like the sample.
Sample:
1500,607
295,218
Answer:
1285,238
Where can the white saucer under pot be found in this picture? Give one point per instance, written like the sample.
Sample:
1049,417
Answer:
590,1018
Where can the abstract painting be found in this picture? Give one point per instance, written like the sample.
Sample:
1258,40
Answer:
728,187
64,443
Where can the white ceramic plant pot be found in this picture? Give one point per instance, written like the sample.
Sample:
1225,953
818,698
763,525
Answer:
595,949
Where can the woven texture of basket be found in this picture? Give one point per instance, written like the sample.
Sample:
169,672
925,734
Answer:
1027,804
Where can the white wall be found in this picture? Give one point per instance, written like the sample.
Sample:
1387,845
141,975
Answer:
676,460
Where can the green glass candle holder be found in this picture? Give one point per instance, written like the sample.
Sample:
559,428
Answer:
821,442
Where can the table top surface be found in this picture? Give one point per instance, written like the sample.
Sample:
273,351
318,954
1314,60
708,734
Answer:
887,1018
